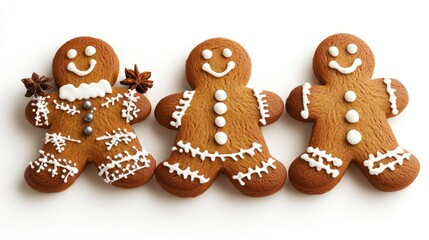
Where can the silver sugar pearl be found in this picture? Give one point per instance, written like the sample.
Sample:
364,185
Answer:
87,130
88,117
87,105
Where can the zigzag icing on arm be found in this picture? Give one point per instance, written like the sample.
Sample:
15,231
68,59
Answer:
116,137
262,105
66,108
319,165
131,109
392,98
257,170
187,148
185,173
399,155
184,103
305,102
54,166
41,110
58,141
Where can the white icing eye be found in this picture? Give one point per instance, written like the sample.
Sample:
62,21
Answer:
207,54
352,48
227,52
71,53
90,50
333,51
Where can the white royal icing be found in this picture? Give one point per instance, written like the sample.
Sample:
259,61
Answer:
227,52
399,155
221,138
352,48
90,50
66,108
52,165
319,164
41,110
184,103
58,141
85,91
305,101
220,95
220,108
187,148
116,137
262,105
333,51
131,109
392,98
207,68
72,53
138,160
186,173
354,137
257,170
220,121
345,70
350,96
207,54
72,68
352,116
111,100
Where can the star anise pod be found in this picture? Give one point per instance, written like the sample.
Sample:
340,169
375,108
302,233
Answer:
36,85
136,80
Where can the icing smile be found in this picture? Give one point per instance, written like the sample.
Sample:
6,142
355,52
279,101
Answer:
345,70
229,67
72,68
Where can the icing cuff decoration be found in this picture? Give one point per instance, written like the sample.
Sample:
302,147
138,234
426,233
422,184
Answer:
392,98
318,164
185,102
131,110
262,104
41,110
186,173
187,148
58,141
305,92
139,161
257,170
399,155
51,164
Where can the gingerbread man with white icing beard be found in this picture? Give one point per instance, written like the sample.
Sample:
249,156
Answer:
350,111
218,125
89,121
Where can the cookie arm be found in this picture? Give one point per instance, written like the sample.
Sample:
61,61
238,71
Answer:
298,103
395,95
274,106
165,108
39,110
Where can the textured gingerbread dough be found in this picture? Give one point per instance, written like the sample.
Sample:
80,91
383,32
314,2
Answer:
350,112
85,70
219,126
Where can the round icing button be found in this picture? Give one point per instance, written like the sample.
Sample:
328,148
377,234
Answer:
220,121
354,137
220,95
350,96
220,108
352,116
221,138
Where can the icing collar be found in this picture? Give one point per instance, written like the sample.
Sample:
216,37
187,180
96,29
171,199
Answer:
85,91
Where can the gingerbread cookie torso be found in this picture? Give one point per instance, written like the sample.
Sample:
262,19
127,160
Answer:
219,126
350,111
89,121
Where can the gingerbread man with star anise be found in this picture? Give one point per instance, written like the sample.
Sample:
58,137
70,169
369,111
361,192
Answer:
89,121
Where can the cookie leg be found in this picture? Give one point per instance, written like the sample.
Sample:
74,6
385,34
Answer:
127,167
256,176
390,171
186,176
53,172
317,171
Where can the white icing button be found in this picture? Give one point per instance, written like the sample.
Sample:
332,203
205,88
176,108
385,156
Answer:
354,137
221,138
220,121
220,95
220,108
352,116
350,96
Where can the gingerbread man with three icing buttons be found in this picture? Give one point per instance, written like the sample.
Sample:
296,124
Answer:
219,126
350,112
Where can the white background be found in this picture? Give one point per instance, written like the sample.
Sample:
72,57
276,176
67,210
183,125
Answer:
158,35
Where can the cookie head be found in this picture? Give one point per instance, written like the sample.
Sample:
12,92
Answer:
85,60
218,61
343,57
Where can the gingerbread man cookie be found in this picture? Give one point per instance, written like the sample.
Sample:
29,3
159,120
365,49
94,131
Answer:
219,126
89,121
350,111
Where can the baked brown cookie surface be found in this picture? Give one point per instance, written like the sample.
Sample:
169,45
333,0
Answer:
350,112
89,121
219,126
